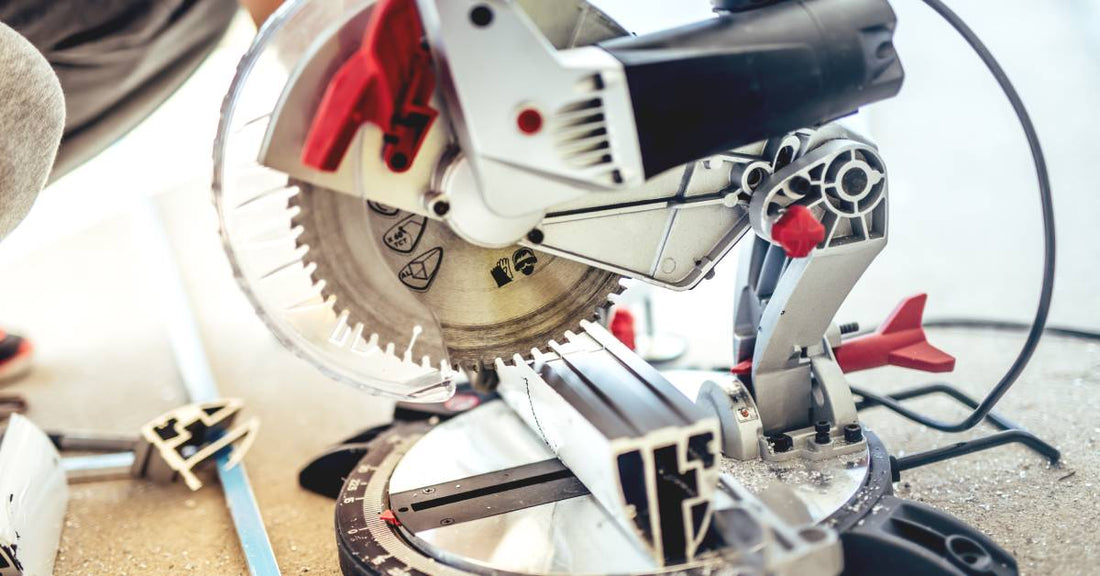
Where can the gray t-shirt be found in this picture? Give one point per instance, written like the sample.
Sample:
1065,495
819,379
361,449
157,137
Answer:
32,115
116,59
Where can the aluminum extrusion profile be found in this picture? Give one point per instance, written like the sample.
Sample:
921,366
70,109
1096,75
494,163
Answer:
645,451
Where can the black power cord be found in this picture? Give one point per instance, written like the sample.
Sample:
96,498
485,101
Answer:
1038,325
1011,326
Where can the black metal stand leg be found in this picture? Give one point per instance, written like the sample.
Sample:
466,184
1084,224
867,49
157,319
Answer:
993,418
1010,432
977,445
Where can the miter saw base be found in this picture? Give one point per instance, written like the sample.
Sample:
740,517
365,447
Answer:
467,488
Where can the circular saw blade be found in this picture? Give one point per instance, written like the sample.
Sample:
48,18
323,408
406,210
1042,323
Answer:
256,220
489,303
385,301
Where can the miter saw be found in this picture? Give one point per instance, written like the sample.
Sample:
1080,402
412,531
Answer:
424,197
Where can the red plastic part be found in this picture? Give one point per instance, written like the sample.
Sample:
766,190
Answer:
742,368
389,518
797,231
529,121
900,341
622,326
387,82
24,349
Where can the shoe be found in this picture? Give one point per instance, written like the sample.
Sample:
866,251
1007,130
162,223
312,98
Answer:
15,356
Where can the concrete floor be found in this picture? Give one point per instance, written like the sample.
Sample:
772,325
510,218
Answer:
962,199
104,363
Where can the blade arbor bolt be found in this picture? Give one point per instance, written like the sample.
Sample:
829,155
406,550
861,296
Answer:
438,205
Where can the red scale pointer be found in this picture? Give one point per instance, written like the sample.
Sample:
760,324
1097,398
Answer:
389,517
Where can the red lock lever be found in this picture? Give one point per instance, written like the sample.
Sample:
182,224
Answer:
388,82
900,341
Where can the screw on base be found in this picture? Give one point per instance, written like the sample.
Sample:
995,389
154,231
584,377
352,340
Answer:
853,433
781,443
821,432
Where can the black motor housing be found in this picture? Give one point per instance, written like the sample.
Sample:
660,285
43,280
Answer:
746,76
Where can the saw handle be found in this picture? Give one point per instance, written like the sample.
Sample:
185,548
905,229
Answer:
742,77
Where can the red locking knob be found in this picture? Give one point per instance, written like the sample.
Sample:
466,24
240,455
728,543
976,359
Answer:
797,231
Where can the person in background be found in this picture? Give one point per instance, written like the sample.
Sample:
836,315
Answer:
76,75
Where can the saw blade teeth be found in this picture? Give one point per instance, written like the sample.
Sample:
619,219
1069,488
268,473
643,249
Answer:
366,347
357,334
297,218
340,330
